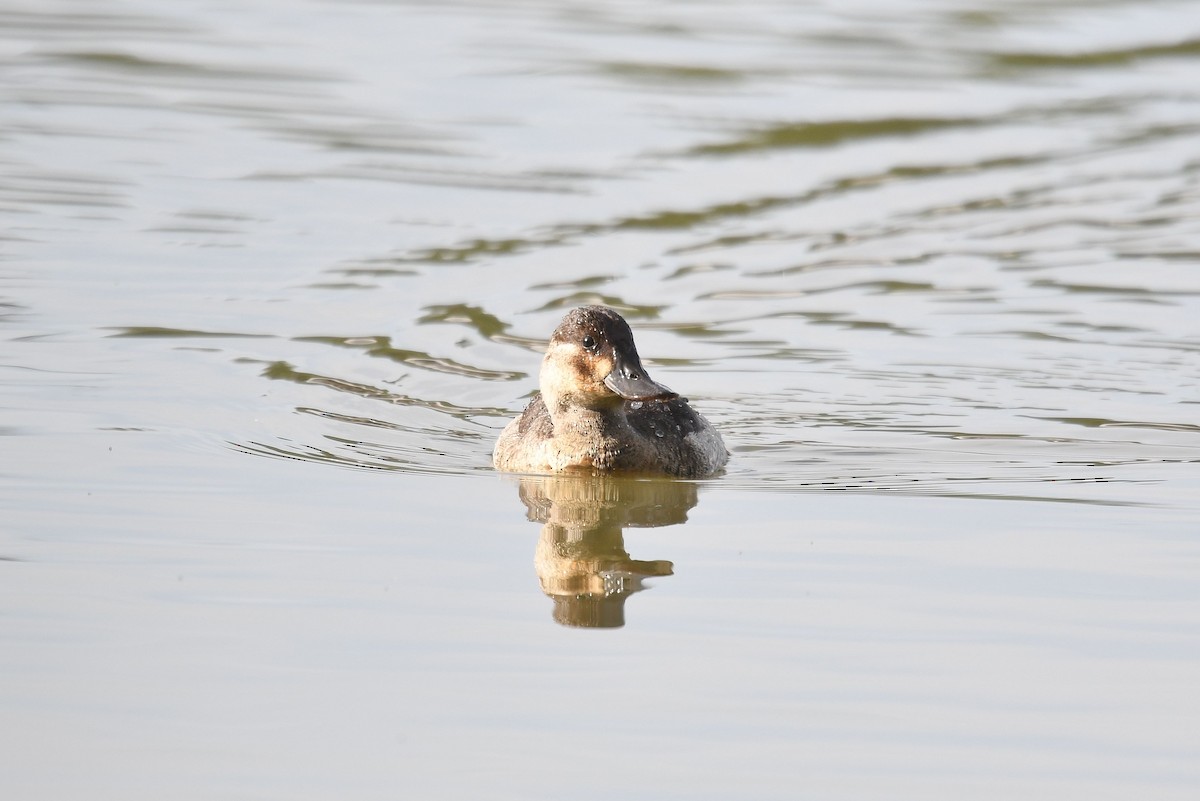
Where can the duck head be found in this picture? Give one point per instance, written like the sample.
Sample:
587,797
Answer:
592,363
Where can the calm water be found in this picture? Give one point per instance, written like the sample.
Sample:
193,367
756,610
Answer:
273,275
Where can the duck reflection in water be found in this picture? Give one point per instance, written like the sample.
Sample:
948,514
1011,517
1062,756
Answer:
581,559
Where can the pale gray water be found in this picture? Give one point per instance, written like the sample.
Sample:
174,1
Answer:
273,276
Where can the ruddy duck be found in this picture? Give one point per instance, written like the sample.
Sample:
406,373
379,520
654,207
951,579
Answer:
599,410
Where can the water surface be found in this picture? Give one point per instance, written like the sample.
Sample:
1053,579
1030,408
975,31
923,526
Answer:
274,275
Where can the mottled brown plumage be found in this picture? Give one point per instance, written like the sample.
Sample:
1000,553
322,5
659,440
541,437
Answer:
600,410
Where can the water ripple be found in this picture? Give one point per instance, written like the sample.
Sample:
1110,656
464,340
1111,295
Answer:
913,249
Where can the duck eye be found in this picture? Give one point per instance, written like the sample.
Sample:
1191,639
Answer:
589,343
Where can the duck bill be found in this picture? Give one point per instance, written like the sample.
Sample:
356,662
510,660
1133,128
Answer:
630,381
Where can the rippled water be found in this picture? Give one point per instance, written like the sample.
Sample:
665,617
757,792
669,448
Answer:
926,248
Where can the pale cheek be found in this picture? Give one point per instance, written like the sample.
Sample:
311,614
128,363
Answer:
600,370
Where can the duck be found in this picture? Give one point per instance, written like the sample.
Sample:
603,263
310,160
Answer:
599,410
